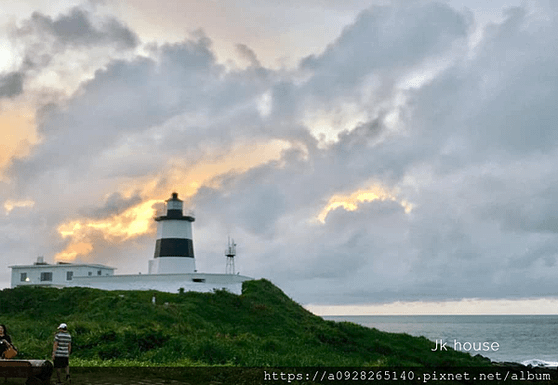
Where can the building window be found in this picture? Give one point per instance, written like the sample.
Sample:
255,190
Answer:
46,277
98,272
69,275
23,277
90,273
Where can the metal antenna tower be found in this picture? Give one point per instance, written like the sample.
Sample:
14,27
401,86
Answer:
230,253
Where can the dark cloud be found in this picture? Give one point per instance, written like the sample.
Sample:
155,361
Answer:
46,45
114,204
248,54
79,28
499,102
386,39
125,98
11,84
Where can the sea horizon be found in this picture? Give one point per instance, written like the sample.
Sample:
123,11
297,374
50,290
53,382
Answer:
501,338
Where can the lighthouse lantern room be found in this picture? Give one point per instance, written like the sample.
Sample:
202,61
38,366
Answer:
174,248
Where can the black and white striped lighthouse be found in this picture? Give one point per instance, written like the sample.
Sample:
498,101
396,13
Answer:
174,250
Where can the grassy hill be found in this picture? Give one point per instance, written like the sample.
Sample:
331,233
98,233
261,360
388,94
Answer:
261,327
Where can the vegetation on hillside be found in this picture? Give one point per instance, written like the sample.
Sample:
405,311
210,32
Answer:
261,327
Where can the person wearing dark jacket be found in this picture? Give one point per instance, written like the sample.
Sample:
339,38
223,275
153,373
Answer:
5,340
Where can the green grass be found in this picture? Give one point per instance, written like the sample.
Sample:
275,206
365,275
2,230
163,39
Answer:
262,327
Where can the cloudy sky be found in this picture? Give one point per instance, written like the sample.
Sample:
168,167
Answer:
366,156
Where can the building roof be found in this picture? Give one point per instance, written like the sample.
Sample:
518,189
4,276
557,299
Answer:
61,265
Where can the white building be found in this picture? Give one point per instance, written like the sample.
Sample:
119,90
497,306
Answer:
59,275
172,268
171,283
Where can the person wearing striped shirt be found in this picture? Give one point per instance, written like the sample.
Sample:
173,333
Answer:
61,351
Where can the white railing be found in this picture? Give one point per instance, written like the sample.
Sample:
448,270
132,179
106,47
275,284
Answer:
163,212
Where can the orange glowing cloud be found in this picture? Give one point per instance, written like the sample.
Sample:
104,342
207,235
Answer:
9,205
239,159
351,201
73,250
17,130
181,177
187,178
134,222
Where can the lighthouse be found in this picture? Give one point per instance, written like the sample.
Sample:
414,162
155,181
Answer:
172,268
174,248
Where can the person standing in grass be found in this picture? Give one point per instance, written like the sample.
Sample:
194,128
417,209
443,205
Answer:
61,351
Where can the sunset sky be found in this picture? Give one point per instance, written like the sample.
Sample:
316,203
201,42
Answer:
367,156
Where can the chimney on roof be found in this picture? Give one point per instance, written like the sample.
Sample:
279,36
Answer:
40,260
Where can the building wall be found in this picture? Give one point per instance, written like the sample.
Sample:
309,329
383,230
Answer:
100,277
170,283
58,274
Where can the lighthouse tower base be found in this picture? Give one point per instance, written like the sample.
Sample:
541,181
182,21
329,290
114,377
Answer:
172,265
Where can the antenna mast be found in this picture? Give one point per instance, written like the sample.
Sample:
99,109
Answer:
230,253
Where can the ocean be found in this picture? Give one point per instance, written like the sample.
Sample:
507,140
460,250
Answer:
526,339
